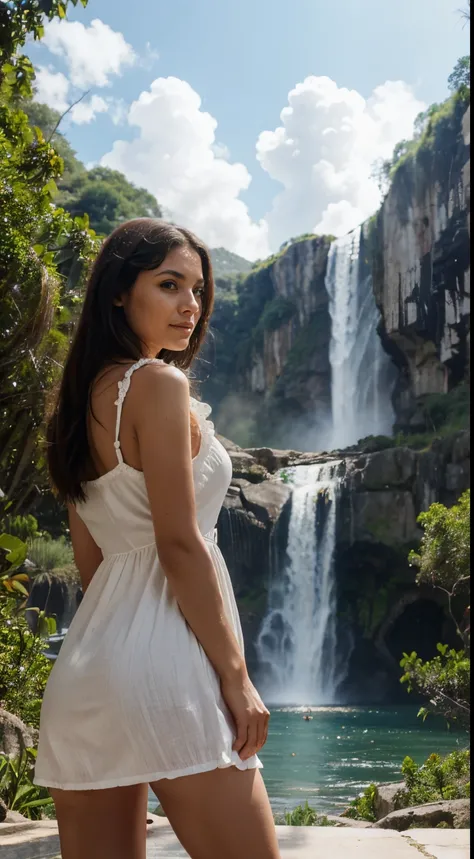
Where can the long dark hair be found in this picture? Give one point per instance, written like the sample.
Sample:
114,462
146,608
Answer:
104,337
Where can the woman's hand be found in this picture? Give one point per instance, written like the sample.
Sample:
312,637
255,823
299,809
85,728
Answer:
250,715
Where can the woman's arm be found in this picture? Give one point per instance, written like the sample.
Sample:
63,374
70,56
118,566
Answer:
161,411
87,554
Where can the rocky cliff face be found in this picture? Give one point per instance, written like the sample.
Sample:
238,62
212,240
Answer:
378,601
420,255
270,357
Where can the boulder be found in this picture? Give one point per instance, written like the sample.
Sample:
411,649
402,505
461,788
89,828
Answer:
385,798
272,460
266,499
244,465
393,468
14,735
453,812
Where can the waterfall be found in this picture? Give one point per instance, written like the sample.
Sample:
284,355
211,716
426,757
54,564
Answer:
297,644
362,374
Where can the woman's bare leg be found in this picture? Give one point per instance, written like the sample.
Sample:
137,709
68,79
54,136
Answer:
102,824
222,813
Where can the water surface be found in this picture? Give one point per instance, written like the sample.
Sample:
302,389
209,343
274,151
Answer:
329,760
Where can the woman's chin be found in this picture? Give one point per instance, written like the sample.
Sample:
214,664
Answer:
177,344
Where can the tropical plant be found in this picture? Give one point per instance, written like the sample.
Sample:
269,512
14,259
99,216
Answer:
17,789
444,681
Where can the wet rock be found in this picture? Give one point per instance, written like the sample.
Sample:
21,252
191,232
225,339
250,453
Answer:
266,499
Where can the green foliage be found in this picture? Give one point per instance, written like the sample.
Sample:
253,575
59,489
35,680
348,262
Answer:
17,789
271,260
444,681
107,197
276,313
24,670
23,527
22,18
363,808
44,254
225,263
49,555
444,556
304,815
443,561
429,127
460,78
438,778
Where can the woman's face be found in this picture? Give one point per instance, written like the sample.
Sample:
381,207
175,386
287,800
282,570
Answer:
165,304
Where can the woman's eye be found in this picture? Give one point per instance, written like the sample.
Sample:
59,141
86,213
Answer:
199,292
167,283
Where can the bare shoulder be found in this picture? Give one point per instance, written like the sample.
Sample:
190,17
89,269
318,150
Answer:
158,390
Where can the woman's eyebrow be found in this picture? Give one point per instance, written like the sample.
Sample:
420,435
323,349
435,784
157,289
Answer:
179,275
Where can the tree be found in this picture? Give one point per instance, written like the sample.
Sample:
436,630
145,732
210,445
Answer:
108,198
43,256
460,78
444,563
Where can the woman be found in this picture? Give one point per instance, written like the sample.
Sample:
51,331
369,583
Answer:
150,686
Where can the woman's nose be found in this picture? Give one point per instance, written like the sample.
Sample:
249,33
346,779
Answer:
190,303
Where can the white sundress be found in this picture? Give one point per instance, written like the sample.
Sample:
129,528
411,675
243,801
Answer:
132,697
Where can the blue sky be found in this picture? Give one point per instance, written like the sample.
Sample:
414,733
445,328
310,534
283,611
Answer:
242,60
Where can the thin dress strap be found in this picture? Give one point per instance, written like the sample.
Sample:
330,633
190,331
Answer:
123,387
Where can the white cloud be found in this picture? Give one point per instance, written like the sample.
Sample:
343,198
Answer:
51,88
323,152
93,54
85,111
118,110
174,156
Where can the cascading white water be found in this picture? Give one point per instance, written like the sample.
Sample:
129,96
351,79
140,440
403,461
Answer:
361,372
297,645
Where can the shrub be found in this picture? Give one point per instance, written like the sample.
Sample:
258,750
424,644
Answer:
24,670
436,779
49,555
444,563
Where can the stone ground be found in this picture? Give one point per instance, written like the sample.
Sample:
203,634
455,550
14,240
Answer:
41,842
